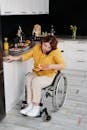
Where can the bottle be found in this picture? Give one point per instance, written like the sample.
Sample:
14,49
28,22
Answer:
34,36
6,44
19,34
52,30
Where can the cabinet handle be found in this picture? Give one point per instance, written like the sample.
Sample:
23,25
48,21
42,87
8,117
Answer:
40,12
24,12
46,12
80,61
8,12
81,50
33,12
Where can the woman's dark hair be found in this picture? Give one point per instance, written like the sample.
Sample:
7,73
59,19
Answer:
52,40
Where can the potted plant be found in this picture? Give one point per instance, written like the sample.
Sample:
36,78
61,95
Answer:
73,28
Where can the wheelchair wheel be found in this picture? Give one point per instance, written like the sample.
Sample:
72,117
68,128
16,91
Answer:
59,92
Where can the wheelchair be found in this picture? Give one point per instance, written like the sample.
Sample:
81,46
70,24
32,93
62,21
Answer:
53,96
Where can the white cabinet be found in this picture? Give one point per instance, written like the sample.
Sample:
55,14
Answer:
27,66
14,80
14,83
75,54
20,7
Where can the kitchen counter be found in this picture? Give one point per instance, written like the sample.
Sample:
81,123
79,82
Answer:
15,52
67,37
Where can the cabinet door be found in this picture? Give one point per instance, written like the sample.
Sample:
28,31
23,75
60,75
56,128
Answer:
40,7
43,6
75,54
9,7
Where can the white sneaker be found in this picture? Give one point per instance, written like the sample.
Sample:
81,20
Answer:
28,108
34,112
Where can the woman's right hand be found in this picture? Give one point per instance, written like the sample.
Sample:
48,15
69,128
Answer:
10,58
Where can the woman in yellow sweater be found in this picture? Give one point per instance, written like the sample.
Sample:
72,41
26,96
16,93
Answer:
47,61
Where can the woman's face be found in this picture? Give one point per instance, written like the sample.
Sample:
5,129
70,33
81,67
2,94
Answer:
46,47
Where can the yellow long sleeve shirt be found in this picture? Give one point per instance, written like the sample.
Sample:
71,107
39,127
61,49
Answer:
54,57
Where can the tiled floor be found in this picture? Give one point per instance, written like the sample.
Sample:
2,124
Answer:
72,116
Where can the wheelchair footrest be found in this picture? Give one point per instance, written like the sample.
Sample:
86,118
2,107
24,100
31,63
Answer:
24,104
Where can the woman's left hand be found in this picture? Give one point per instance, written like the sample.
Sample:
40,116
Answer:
51,67
44,67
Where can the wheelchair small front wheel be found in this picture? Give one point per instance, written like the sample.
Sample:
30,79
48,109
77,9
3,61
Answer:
46,117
